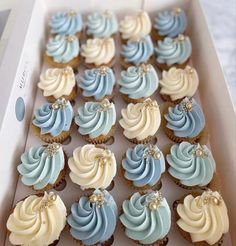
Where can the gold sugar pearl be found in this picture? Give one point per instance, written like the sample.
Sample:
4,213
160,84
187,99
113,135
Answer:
103,70
71,13
177,11
93,198
70,38
188,105
181,37
199,153
152,206
190,70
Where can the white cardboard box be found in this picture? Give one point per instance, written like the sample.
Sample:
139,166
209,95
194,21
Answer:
20,69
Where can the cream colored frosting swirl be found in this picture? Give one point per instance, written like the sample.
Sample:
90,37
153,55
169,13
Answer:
132,27
57,82
37,220
92,167
141,120
179,83
205,217
98,50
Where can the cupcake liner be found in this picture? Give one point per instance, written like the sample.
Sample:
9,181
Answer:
109,64
164,66
167,98
201,138
143,141
72,63
69,97
185,234
48,138
127,99
101,139
126,65
213,185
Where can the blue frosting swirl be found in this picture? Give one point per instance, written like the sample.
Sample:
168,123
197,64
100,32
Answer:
41,165
63,48
137,52
144,165
96,118
102,25
66,23
173,51
54,118
93,222
186,119
97,82
139,82
171,23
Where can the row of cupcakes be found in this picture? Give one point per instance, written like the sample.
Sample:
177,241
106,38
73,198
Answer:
201,218
96,121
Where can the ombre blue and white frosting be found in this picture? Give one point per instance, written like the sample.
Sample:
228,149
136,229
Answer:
171,23
54,118
96,118
146,218
186,119
93,219
97,82
139,82
63,48
66,23
143,165
41,165
191,164
137,51
173,51
102,25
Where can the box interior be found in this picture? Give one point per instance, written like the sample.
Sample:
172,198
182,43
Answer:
23,75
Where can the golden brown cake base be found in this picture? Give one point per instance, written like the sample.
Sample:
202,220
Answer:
167,98
185,234
143,141
164,66
69,97
72,63
155,35
127,99
101,139
201,138
48,138
92,65
126,65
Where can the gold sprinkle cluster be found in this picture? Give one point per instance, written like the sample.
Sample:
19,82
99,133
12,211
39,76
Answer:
149,104
98,199
180,38
187,106
52,149
152,151
103,70
59,104
48,201
189,70
104,159
67,71
145,68
71,13
155,201
104,105
200,152
208,198
176,11
70,38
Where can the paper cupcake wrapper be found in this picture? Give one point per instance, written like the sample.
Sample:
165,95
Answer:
127,99
143,141
167,98
185,234
164,66
201,138
126,65
72,63
92,65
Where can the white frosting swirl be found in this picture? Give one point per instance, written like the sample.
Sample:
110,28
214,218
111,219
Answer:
98,50
179,83
37,221
92,167
133,27
57,82
140,120
204,217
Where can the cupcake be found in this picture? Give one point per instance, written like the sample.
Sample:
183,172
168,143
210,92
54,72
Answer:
146,218
58,82
53,121
169,23
98,83
177,83
192,166
137,51
202,218
93,219
43,168
138,83
92,167
37,220
140,121
136,26
96,121
184,121
63,51
173,52
102,25
143,167
66,23
98,52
